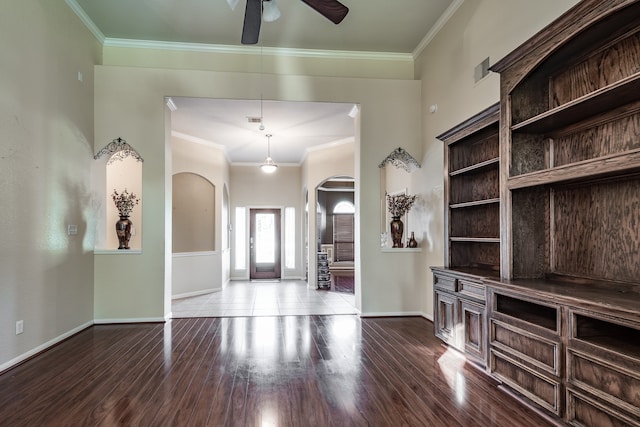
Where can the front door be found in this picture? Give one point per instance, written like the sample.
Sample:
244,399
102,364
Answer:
264,244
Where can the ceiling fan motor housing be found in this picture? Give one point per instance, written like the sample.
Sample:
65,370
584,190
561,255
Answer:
257,10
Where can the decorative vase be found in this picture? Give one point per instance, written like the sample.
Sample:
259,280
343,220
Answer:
397,228
123,230
413,243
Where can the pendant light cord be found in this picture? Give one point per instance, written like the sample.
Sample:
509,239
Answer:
261,72
261,93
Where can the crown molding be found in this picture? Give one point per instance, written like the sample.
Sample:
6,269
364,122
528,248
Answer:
197,140
258,164
326,145
86,20
256,50
444,18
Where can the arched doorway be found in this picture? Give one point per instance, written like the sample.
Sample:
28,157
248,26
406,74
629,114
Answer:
335,234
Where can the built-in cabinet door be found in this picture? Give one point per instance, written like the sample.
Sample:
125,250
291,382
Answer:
446,315
472,316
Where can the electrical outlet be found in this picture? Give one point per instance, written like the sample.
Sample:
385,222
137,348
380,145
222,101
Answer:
19,327
72,230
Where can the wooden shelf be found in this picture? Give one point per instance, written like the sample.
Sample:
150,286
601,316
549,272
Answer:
472,273
607,98
586,170
476,239
475,167
474,203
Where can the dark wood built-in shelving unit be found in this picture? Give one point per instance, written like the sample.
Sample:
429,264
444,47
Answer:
472,189
472,245
562,293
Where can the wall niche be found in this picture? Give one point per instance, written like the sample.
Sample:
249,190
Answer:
120,169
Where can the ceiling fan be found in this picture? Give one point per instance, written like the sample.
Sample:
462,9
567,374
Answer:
257,10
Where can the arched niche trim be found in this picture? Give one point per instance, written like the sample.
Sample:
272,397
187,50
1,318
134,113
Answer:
118,149
401,159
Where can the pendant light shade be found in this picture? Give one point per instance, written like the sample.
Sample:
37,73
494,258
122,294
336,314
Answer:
269,166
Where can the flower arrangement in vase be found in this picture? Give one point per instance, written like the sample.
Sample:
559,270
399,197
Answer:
125,203
398,205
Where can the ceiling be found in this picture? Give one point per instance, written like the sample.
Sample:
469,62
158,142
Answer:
296,127
398,27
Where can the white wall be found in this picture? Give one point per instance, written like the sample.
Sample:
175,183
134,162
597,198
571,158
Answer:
131,100
193,274
479,29
46,117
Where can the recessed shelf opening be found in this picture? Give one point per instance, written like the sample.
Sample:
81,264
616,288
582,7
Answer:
613,336
530,312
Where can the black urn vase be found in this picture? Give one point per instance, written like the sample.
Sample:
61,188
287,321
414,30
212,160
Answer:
397,229
123,230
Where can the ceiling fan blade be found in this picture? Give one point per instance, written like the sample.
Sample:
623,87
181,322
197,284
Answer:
252,21
333,10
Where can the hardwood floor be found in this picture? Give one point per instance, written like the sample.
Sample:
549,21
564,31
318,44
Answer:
263,371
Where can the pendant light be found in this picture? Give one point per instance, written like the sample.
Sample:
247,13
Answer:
269,166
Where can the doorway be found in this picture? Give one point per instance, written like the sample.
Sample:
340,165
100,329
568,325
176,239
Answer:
264,244
336,231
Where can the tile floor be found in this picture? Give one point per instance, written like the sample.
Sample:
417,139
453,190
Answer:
289,297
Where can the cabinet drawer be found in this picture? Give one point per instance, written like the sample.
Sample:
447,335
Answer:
538,388
583,410
537,351
612,382
445,282
472,289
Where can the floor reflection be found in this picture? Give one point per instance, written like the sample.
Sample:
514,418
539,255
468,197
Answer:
452,365
337,370
289,297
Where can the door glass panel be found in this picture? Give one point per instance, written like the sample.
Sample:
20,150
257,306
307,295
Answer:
265,238
290,237
241,248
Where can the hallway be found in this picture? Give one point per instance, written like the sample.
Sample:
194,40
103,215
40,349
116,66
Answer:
289,297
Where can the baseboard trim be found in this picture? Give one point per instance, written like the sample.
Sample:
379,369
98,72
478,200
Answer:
134,320
196,293
394,314
39,349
